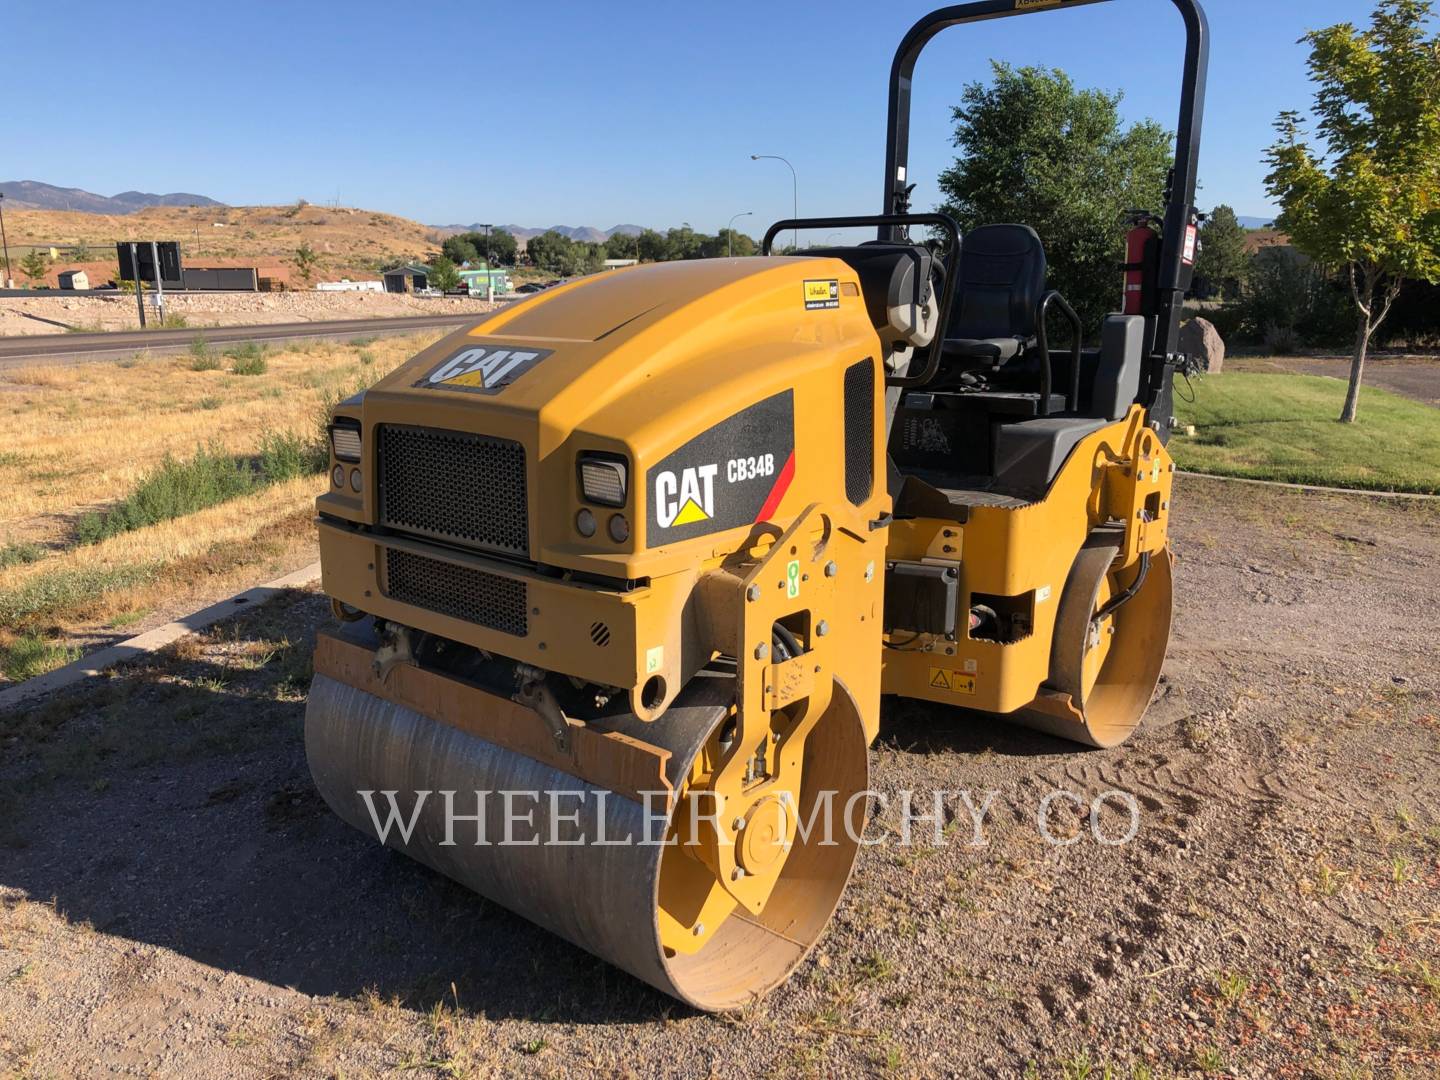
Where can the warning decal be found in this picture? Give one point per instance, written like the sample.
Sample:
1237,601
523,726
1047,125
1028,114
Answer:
955,681
820,295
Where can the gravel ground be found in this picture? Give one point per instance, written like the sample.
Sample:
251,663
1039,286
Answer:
175,900
57,314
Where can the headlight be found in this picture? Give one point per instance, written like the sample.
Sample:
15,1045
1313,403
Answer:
602,479
345,440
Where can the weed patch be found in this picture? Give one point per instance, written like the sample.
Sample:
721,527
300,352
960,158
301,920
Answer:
30,655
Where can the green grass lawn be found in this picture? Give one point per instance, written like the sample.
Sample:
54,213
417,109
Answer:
1284,427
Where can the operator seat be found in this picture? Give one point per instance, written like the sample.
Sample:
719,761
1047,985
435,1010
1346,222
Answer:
997,298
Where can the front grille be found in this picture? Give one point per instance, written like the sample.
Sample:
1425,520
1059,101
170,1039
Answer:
451,485
860,431
462,592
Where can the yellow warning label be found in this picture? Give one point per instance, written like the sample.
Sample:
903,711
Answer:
957,682
822,294
470,378
690,513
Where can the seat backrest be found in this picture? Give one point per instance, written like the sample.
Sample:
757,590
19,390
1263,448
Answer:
1002,280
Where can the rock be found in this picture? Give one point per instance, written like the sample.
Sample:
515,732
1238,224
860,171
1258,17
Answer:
1200,339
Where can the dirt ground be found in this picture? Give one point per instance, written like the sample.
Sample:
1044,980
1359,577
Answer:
1413,376
60,314
175,900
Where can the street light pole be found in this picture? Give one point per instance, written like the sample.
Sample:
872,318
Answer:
5,242
489,278
794,189
730,233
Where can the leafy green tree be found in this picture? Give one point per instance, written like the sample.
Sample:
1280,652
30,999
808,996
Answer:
650,246
1223,262
460,249
1038,151
622,246
503,248
1368,200
34,265
306,258
550,251
443,275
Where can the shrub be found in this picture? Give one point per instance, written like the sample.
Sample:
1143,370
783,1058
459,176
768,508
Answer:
285,455
248,359
1292,299
210,403
14,554
170,490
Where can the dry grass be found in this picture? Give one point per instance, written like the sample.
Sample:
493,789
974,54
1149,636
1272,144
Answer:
78,432
80,437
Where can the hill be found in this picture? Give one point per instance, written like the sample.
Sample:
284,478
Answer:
349,241
33,195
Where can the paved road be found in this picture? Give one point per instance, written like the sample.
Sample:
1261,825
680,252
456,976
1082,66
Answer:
78,348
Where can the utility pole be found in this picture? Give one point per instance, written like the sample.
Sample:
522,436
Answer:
159,283
794,189
489,278
139,285
4,240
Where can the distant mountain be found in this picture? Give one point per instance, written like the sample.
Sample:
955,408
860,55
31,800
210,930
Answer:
33,195
585,233
1256,222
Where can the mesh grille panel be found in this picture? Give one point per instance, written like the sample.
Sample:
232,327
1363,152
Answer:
461,592
454,486
860,431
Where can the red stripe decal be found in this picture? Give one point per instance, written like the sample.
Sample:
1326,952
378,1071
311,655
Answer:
782,485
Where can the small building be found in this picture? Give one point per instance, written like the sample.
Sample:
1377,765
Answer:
409,277
480,281
616,264
74,279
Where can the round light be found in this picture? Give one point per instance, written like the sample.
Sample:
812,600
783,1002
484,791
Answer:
619,528
585,523
355,483
338,476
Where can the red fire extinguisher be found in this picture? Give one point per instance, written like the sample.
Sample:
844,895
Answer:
1142,269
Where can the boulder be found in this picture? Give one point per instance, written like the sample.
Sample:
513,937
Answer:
1201,340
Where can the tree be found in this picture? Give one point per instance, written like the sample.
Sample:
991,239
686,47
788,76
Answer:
1368,202
459,249
503,248
305,259
443,275
1036,150
622,246
34,265
1223,262
549,251
650,246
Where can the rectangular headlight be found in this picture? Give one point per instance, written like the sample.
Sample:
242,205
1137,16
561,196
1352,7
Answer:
602,480
345,440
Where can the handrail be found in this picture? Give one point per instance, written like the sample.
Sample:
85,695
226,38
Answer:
1042,341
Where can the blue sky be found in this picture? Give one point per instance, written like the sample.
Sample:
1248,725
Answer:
597,114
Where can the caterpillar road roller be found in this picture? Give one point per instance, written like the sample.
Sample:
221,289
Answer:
622,572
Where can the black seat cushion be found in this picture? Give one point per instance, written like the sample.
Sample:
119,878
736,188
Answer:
996,350
1002,279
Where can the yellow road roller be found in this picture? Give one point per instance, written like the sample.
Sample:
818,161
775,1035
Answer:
622,572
